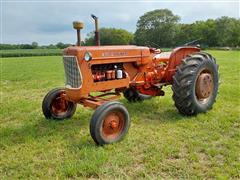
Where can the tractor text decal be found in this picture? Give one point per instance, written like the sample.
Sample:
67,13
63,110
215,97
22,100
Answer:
111,54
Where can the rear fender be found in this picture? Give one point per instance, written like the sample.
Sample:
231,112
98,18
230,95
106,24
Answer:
175,59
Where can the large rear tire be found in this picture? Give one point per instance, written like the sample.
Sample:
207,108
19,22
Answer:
56,107
195,84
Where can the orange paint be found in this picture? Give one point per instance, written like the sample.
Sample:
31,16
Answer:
144,69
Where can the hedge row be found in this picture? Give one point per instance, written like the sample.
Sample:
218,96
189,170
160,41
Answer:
30,52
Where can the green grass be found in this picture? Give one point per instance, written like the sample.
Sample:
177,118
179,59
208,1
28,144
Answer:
161,143
30,52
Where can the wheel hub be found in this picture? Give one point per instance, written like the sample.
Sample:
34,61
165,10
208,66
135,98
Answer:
204,86
59,105
113,125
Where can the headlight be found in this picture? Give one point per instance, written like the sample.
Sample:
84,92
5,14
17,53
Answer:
88,56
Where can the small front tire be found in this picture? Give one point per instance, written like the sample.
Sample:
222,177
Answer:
110,123
54,106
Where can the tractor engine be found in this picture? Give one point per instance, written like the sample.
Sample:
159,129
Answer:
107,72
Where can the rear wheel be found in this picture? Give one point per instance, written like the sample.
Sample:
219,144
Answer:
195,84
55,106
133,95
110,123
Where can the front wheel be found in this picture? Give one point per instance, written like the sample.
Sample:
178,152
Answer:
110,123
195,84
55,106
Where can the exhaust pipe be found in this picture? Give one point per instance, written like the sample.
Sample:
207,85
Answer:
97,34
78,26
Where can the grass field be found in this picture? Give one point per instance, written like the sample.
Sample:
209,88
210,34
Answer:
30,52
161,143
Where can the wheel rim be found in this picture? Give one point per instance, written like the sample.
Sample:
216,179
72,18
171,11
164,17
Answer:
204,86
59,105
113,125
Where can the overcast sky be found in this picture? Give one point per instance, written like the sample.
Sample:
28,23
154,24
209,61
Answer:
51,21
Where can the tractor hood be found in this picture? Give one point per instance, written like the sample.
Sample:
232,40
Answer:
108,52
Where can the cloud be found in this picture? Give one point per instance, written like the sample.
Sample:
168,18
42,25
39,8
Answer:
50,22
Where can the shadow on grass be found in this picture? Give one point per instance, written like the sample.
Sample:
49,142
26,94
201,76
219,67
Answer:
144,112
151,110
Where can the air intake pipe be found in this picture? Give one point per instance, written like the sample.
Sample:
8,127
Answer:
78,26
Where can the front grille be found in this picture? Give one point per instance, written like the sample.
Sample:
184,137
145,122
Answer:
72,73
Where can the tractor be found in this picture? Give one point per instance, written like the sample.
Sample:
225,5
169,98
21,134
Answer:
96,76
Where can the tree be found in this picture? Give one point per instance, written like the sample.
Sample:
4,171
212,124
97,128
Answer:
61,45
111,36
51,46
207,32
34,45
204,30
186,33
158,26
228,33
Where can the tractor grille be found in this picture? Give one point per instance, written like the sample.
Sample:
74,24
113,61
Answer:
72,73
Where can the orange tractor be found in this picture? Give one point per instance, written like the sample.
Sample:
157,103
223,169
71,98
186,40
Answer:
95,76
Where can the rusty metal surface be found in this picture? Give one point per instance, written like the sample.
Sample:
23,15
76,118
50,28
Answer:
96,101
78,37
78,26
204,86
97,34
59,105
113,125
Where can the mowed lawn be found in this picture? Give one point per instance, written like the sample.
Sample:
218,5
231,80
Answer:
161,143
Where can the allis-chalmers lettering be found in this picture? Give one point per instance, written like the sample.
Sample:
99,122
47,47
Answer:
112,54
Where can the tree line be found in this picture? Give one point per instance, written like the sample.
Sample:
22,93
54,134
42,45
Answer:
162,28
33,45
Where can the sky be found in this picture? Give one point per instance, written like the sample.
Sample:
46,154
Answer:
50,21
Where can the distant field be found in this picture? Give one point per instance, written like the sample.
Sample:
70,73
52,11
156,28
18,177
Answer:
161,143
30,52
